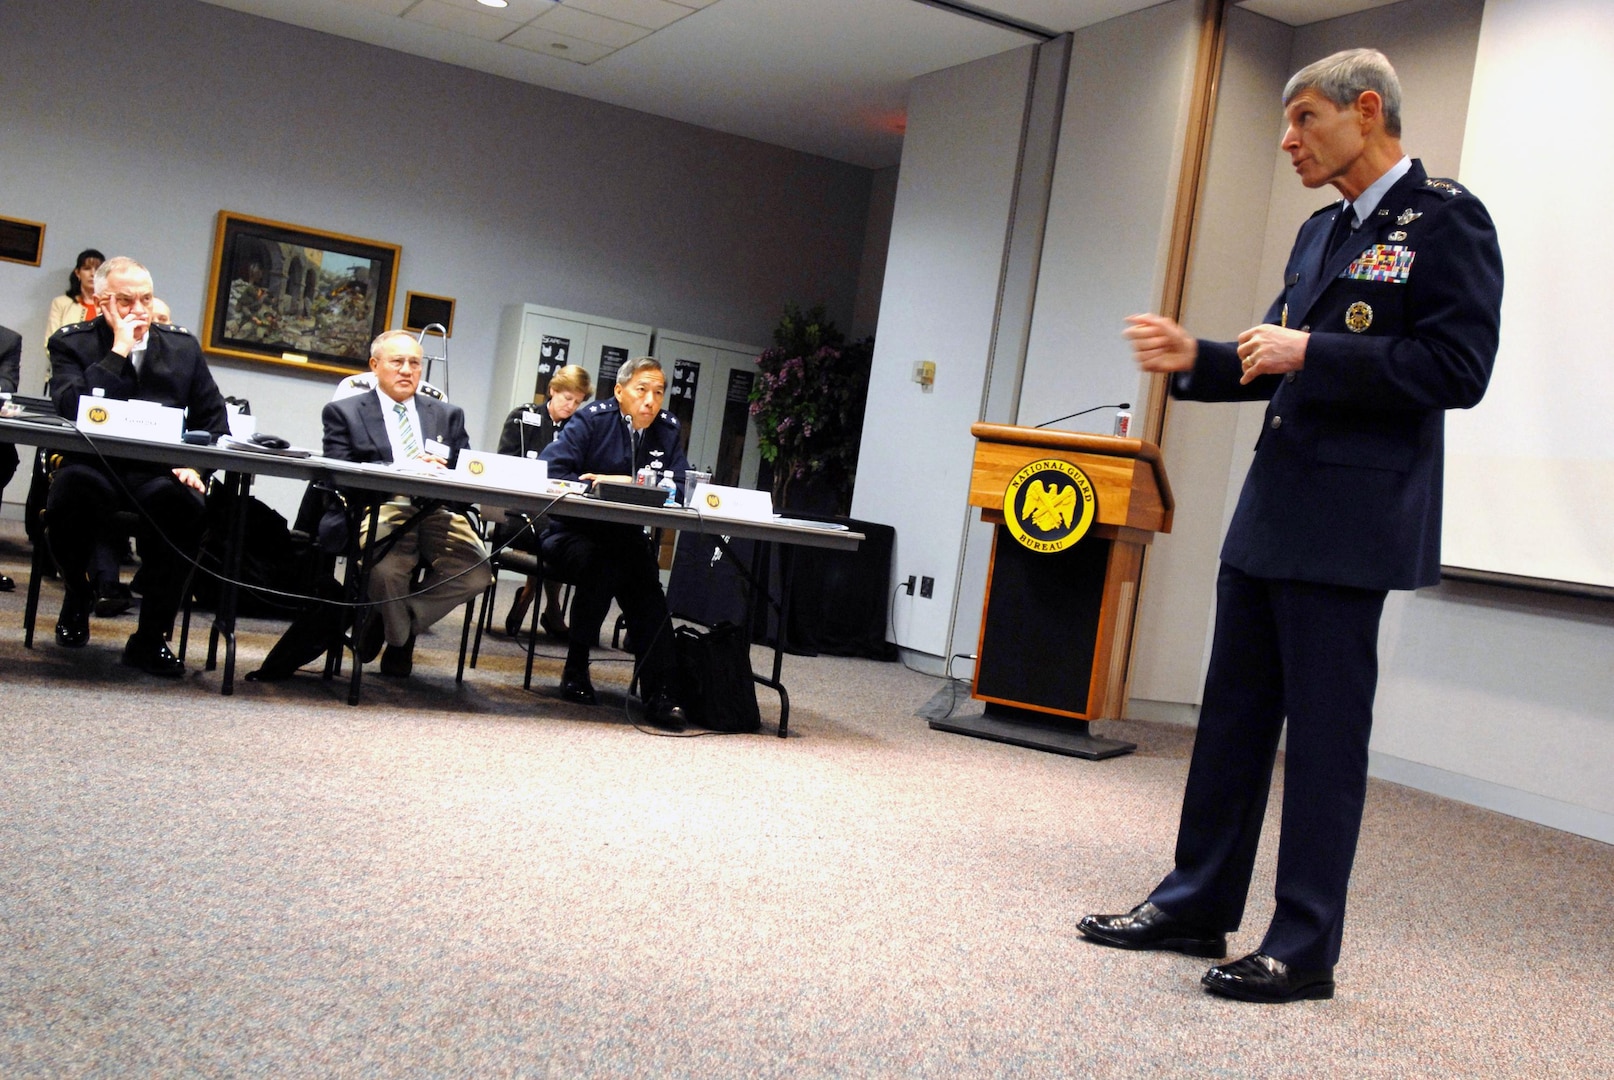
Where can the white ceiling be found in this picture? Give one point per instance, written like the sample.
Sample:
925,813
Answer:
827,77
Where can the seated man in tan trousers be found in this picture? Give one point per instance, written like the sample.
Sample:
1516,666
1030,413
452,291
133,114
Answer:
395,424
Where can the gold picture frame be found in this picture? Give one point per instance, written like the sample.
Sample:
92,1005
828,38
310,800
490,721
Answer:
291,295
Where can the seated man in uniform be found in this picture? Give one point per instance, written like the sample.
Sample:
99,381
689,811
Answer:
128,356
395,424
613,440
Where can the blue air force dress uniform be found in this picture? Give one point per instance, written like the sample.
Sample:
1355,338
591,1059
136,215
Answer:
603,560
1341,503
84,490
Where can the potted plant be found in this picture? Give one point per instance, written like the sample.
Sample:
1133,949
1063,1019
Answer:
808,402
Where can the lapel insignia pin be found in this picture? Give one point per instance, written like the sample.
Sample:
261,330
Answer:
1358,317
1408,217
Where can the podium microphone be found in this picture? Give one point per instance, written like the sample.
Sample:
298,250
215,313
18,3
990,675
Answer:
1123,405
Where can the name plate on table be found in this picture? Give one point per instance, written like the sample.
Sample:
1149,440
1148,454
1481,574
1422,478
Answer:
130,419
503,470
732,502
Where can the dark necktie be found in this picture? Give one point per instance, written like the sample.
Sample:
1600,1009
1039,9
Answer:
1342,231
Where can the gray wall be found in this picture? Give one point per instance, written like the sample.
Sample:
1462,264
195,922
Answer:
948,235
498,192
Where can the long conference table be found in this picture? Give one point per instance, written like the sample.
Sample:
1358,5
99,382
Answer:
240,466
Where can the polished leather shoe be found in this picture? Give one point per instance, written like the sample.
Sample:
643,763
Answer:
114,600
664,712
397,661
578,689
6,584
375,635
1258,977
1147,927
152,656
73,624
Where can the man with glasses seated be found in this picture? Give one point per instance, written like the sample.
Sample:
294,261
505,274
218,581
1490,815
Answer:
395,424
613,440
128,356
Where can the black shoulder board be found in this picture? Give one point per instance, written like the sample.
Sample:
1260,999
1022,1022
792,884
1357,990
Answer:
1329,209
1448,188
75,328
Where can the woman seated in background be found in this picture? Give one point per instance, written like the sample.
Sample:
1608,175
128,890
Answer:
527,430
77,304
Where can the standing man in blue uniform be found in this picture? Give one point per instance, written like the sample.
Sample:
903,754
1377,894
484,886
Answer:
613,440
127,355
1389,316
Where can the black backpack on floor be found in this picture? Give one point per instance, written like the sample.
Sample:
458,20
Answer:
714,667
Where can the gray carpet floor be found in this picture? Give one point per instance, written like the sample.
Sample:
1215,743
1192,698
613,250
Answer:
476,881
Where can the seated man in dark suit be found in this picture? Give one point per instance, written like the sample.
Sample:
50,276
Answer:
129,357
395,424
613,440
10,364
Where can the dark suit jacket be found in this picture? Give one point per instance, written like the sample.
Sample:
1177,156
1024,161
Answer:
173,373
356,431
1345,488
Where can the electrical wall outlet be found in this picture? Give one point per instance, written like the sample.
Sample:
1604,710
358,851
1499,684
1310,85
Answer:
927,585
907,586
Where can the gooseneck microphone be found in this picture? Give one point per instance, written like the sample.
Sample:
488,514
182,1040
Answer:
1084,412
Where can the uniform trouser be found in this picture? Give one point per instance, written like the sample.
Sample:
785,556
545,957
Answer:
456,568
617,561
1308,653
169,529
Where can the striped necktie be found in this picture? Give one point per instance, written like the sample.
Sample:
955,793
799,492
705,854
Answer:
406,431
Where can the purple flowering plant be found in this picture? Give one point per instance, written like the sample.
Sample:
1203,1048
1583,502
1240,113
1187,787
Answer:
808,401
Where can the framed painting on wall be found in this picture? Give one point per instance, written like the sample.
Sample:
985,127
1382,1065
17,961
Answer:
286,294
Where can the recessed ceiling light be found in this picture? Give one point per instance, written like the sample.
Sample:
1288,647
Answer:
494,3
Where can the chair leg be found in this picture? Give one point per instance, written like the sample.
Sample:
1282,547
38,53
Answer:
532,631
465,636
489,597
36,574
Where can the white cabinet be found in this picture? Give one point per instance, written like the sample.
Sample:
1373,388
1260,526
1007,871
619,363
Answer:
709,382
535,341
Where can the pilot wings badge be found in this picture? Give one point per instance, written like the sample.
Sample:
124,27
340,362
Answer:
1049,505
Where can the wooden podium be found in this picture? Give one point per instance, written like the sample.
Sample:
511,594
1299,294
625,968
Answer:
1055,624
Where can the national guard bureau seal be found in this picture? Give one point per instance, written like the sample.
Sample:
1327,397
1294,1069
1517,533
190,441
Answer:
97,414
1049,505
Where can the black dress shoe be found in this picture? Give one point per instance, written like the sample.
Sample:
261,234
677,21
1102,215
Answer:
73,624
151,655
1147,927
6,584
398,661
1258,977
664,712
578,689
115,599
